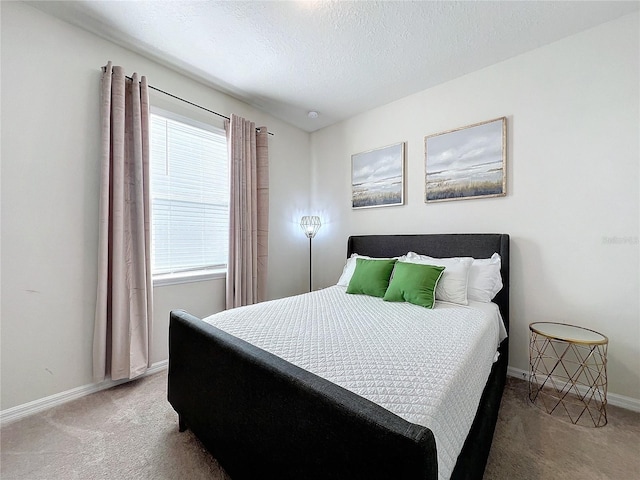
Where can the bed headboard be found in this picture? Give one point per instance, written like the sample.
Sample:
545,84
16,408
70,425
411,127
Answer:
477,245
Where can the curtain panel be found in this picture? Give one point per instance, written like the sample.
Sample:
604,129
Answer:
122,333
249,212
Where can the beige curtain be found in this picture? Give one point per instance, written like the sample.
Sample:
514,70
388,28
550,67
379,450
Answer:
124,297
249,212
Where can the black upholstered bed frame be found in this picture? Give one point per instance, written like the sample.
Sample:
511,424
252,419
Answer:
263,417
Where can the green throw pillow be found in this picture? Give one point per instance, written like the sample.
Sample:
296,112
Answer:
371,277
414,283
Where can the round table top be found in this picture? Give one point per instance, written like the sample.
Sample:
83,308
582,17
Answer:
568,333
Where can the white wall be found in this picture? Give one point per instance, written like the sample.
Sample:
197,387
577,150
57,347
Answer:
50,178
573,158
573,173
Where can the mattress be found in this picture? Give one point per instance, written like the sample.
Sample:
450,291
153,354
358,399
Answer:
427,366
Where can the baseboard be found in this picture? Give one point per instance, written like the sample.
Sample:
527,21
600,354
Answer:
612,398
16,413
20,411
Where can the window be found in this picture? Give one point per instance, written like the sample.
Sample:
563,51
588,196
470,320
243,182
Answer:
189,198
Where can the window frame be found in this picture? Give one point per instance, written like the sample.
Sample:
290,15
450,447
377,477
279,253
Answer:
195,275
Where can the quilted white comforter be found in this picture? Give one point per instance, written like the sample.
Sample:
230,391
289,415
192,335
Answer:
427,366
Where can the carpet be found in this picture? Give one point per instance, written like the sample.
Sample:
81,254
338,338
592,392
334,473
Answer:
130,432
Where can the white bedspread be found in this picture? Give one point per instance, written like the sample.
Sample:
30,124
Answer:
427,366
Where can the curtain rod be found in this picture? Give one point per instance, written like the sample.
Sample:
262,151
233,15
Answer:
185,101
190,103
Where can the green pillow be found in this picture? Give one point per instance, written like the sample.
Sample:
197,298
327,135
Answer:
371,277
414,283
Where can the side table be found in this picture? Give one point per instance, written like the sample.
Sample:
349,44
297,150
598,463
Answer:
568,372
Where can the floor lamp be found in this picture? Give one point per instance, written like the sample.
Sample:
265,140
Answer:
310,226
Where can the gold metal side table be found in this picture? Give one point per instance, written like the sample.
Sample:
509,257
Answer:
568,372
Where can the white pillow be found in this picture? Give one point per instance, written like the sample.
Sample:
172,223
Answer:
347,271
485,280
350,267
452,286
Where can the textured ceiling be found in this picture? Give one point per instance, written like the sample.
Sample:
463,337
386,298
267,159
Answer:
339,58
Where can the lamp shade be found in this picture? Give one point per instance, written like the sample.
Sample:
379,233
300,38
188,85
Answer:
310,225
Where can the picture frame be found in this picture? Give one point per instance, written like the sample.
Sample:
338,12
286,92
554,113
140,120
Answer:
467,162
377,177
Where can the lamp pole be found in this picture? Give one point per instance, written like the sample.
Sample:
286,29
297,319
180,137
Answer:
310,276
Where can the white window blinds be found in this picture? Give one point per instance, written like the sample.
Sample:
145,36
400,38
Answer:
190,196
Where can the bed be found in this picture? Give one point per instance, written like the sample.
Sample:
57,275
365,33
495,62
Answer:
262,416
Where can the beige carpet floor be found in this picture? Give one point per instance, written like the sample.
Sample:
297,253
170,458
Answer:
130,432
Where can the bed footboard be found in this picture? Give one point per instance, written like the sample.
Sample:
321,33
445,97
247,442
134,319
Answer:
263,417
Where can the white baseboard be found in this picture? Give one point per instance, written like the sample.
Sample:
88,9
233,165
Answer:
16,413
20,411
612,398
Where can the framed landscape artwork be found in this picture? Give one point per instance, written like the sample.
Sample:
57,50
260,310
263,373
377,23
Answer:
468,162
377,177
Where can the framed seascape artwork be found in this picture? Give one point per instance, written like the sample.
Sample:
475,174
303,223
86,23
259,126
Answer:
377,177
468,162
